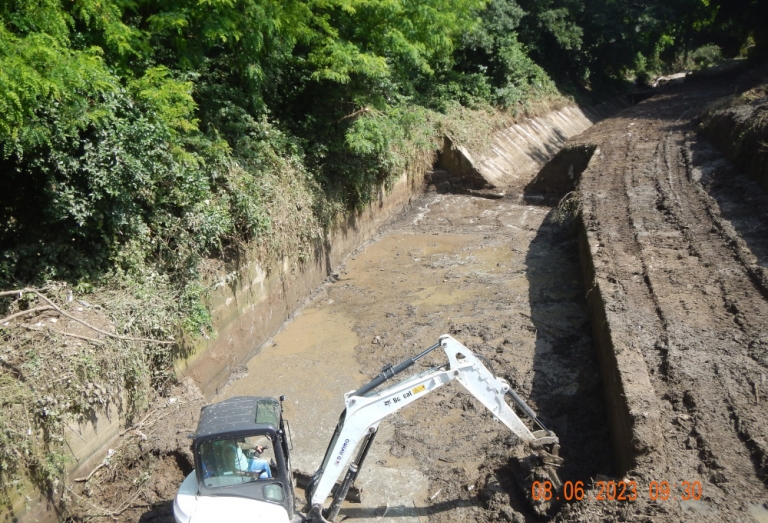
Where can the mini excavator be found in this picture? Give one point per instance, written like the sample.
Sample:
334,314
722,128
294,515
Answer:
241,446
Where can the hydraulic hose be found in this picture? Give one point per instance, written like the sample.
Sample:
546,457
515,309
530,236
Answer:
389,372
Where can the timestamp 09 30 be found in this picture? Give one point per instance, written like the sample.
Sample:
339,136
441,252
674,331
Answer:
622,490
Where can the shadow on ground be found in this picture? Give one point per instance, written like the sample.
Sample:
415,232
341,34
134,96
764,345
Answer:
566,388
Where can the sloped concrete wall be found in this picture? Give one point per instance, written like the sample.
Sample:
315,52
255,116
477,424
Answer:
522,148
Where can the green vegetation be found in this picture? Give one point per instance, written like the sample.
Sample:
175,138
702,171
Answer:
138,138
135,134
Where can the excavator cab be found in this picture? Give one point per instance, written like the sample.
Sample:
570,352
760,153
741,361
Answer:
241,452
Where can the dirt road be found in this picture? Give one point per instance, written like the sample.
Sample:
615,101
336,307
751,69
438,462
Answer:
678,242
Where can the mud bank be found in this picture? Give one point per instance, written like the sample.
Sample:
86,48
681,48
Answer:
738,126
672,256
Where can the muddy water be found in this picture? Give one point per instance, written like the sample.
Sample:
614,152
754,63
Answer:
502,278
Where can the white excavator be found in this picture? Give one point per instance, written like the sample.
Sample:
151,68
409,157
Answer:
241,446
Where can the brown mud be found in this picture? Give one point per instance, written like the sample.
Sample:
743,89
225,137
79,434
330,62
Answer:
671,289
678,241
502,277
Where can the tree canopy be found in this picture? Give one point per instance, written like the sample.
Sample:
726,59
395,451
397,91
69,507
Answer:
120,120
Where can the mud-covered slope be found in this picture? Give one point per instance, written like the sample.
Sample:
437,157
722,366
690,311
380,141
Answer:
674,243
738,125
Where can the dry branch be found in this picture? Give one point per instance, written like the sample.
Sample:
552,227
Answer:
85,479
359,112
105,513
20,292
24,313
70,334
71,317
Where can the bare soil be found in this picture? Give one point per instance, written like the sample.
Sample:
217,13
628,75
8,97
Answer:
677,242
140,475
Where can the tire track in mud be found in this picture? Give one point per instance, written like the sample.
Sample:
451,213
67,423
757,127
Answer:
743,310
652,221
687,308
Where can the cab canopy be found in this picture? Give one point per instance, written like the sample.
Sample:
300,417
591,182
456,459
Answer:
223,448
238,416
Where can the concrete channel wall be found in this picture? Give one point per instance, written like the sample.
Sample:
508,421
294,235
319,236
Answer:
518,150
249,303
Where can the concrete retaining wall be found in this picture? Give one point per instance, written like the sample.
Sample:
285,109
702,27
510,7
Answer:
522,148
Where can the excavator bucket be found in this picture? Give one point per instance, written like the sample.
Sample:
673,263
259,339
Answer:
535,468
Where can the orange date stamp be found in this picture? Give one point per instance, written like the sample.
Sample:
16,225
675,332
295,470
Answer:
622,490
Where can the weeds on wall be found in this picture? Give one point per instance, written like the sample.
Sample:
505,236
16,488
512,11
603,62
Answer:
68,356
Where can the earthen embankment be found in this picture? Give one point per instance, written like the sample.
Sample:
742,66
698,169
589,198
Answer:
678,314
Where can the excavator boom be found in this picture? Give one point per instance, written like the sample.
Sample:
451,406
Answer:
365,409
231,483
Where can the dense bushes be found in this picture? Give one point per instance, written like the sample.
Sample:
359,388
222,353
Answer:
120,123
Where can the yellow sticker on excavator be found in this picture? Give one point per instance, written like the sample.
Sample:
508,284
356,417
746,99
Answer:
420,388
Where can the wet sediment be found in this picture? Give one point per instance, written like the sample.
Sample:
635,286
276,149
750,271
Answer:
671,251
503,278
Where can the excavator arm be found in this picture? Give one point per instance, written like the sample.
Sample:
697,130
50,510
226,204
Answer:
365,409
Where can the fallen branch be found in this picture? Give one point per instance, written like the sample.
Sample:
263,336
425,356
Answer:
105,513
24,313
20,292
141,423
89,476
78,336
71,317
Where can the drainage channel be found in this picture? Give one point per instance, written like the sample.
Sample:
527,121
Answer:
503,278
